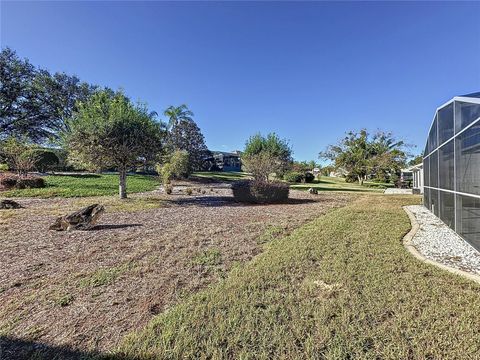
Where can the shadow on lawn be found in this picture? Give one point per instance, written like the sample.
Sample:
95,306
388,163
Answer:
19,349
79,176
216,201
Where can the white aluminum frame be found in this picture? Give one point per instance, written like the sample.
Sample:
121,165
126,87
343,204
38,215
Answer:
465,99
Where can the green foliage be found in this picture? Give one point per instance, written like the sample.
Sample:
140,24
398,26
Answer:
416,160
34,103
4,167
304,166
210,257
108,130
165,172
45,159
362,154
185,135
19,154
260,192
176,114
175,167
63,299
309,177
294,176
263,156
85,185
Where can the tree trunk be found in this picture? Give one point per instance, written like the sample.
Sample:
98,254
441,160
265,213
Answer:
360,180
122,189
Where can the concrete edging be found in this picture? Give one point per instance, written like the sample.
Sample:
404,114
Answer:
407,242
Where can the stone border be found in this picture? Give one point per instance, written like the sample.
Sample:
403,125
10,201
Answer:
407,242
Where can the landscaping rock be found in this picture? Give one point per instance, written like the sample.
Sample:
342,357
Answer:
9,204
313,191
83,219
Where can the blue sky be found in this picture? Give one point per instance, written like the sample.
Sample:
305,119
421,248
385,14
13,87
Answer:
310,71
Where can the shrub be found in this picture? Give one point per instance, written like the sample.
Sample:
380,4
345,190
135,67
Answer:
176,167
165,172
3,167
266,155
30,182
309,177
260,192
21,182
8,182
351,178
294,177
45,159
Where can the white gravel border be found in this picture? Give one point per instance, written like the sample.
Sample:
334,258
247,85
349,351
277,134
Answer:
435,241
396,191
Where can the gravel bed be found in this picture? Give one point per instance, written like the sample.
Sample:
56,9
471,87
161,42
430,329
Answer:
436,241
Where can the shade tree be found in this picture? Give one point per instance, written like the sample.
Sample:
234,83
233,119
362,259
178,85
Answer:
108,130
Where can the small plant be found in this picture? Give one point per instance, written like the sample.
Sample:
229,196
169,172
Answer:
272,232
188,191
168,189
309,177
294,177
64,299
210,257
3,167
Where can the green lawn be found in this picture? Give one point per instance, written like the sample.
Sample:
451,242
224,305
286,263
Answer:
221,176
341,287
86,185
326,183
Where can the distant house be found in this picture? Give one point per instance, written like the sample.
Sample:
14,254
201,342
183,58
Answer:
223,161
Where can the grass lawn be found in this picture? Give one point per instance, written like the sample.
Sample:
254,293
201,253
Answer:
86,185
326,183
221,175
341,287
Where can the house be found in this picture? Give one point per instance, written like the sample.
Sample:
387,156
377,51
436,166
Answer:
223,161
416,172
451,165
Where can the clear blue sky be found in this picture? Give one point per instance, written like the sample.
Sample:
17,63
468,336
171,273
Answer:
308,70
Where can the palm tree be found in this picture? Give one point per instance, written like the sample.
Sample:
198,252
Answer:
176,114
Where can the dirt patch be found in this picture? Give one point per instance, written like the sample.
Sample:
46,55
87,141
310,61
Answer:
87,289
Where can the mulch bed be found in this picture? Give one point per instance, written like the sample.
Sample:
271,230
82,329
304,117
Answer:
87,289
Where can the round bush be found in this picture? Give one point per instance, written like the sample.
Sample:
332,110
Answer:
45,160
8,182
17,182
309,177
30,182
294,176
259,192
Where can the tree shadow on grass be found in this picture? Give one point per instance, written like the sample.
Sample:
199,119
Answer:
79,176
20,349
217,201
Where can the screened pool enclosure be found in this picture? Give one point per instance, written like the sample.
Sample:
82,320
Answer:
451,166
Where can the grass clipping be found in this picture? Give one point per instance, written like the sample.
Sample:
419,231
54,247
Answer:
340,287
